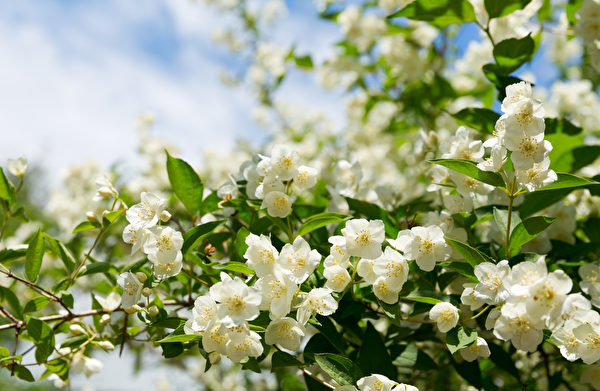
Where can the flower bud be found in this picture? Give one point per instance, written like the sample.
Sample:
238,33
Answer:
153,311
141,276
91,216
105,192
106,345
133,309
146,292
165,216
18,166
104,319
214,358
76,329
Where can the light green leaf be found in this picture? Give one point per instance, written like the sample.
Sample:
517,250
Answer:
36,304
501,218
240,241
10,255
61,251
470,169
459,338
320,220
7,190
421,299
576,158
373,356
110,217
33,258
511,53
483,120
528,229
500,8
86,226
180,338
186,184
238,267
43,338
565,181
191,236
472,255
440,13
341,369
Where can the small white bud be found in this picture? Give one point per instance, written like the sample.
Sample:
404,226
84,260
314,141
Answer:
146,292
17,167
76,329
91,216
106,345
214,358
165,216
104,319
153,311
141,276
133,309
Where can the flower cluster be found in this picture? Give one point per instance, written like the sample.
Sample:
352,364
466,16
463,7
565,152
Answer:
588,28
161,244
272,177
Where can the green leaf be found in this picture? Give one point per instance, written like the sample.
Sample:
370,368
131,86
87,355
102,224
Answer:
511,53
470,169
576,158
463,268
503,360
7,190
341,369
10,255
318,221
74,341
36,304
496,75
565,181
86,226
472,255
35,253
43,338
470,371
186,184
483,120
373,356
191,236
304,62
329,331
283,359
98,267
459,338
238,267
501,217
13,300
110,217
422,299
240,241
500,8
412,357
180,338
561,125
23,373
528,229
61,251
440,13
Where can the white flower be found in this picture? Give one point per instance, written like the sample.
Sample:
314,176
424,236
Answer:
515,324
132,289
203,314
384,292
365,269
268,185
469,187
298,260
136,236
278,204
284,162
318,300
479,348
525,275
526,150
277,292
516,93
306,177
590,276
491,278
445,315
537,176
213,340
470,297
105,188
337,278
285,332
495,161
163,248
249,346
87,365
146,213
338,255
18,166
405,387
111,302
375,383
591,375
589,335
426,245
261,254
547,296
392,266
237,302
364,238
525,117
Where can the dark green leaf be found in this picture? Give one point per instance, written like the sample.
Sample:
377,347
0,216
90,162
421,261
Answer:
23,373
483,120
459,338
469,371
11,255
499,8
511,53
13,300
496,75
193,235
470,169
186,184
561,125
576,158
373,357
472,255
43,338
36,304
240,241
528,229
282,359
503,360
61,251
7,190
33,258
501,217
318,221
440,13
341,369
329,331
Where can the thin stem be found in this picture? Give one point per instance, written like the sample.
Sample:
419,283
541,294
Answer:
481,312
85,258
6,215
511,198
189,274
306,371
291,234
